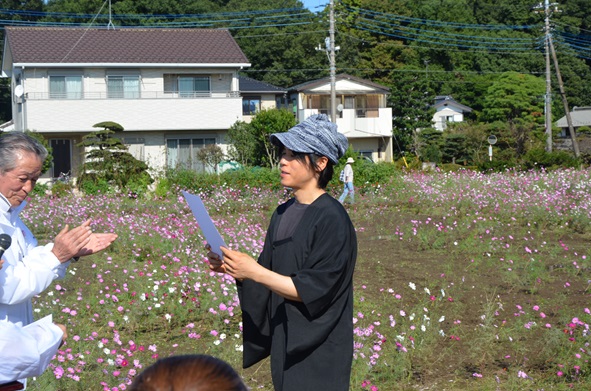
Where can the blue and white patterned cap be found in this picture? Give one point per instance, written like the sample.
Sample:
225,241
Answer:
316,134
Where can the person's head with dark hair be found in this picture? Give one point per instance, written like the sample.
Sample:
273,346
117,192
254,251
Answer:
314,142
195,372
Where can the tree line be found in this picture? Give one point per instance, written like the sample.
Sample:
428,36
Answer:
487,54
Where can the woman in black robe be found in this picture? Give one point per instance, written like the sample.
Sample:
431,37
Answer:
297,300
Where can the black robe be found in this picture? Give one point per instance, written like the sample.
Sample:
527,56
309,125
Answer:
310,342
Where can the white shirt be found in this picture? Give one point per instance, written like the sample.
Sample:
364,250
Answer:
27,351
348,173
28,269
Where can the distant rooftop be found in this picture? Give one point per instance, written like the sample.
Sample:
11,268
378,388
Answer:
250,85
580,116
446,100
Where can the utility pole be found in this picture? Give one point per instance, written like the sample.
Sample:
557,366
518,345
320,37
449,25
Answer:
333,92
549,48
569,121
548,98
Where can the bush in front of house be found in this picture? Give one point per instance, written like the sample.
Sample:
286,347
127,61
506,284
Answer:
109,167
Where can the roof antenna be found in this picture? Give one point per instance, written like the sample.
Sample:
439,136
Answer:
110,25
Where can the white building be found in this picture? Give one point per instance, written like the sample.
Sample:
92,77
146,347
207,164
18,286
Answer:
173,90
448,111
362,114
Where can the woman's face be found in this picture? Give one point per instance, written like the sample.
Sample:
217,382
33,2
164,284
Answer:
295,173
16,184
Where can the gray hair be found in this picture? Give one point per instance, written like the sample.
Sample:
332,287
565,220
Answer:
13,142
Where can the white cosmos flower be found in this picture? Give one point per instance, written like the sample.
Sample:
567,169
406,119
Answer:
412,286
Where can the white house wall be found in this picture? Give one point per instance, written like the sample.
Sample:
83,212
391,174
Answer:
48,116
440,118
155,110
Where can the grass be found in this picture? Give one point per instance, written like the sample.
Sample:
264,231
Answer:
464,281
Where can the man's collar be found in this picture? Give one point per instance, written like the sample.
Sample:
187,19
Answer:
6,207
4,204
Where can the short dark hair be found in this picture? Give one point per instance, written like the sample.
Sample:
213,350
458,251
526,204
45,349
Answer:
193,372
13,142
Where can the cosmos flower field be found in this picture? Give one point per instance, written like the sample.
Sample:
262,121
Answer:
463,281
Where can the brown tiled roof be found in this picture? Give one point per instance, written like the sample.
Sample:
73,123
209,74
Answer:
100,45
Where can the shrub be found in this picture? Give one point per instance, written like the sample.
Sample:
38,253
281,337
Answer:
539,158
108,162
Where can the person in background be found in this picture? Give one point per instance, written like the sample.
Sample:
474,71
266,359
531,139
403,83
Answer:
29,268
196,372
348,186
297,300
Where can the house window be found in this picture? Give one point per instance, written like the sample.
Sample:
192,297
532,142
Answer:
65,87
192,86
123,87
182,153
251,105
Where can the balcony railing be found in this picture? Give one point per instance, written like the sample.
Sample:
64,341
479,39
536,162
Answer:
359,113
140,95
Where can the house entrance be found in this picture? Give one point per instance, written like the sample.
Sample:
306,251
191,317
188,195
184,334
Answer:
62,157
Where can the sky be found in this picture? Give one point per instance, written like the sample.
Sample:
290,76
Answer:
312,4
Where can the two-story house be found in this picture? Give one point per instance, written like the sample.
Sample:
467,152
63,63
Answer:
448,110
173,90
362,114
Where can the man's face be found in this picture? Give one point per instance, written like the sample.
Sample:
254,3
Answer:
16,184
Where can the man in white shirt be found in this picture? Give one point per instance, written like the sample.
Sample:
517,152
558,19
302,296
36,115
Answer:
30,268
26,351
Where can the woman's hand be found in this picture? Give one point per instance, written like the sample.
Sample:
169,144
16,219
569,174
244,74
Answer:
215,261
239,265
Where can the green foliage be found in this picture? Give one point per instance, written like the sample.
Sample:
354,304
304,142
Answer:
515,96
250,142
253,177
108,166
428,146
211,155
60,189
454,148
367,175
242,143
539,158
